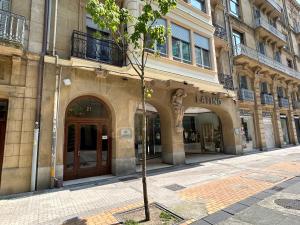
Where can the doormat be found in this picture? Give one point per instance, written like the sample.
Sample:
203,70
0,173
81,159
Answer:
159,215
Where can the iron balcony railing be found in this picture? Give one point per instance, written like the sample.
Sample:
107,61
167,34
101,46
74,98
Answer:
266,99
86,46
296,104
283,102
255,55
246,95
220,31
260,22
226,80
12,27
275,5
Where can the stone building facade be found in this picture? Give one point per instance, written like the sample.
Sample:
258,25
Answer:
89,123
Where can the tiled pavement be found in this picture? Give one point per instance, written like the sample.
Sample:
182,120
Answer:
207,189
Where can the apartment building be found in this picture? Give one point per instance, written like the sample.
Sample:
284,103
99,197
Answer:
226,81
264,45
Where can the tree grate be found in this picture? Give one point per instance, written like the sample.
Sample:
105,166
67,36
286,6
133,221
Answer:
288,203
175,187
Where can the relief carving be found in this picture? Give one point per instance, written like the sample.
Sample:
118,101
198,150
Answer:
178,108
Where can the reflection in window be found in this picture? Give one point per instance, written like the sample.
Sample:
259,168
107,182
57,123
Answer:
88,146
87,107
199,4
105,145
70,146
181,44
235,8
202,51
159,48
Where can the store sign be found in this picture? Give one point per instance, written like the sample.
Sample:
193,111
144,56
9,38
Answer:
208,100
245,113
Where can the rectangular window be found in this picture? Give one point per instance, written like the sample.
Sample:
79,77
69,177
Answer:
243,82
280,92
199,4
181,44
261,48
264,87
277,56
160,48
5,5
202,51
235,8
238,38
289,63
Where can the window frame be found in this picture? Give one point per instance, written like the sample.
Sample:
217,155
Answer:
237,6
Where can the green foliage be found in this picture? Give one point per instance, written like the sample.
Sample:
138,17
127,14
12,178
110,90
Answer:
107,14
165,217
131,222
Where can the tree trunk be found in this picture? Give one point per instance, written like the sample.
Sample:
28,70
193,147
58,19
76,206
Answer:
144,173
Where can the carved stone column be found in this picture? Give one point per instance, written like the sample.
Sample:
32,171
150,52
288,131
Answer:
291,122
276,114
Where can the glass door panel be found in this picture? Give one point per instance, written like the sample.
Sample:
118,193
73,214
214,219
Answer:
104,146
71,135
88,146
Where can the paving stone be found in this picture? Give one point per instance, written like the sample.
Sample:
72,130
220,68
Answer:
200,222
232,221
217,217
293,189
290,220
262,195
259,215
249,201
235,208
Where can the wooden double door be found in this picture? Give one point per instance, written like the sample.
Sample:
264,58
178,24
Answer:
87,148
3,118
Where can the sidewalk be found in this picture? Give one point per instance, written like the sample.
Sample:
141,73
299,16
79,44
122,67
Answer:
192,191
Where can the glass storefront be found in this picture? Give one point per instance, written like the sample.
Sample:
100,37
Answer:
285,131
297,124
153,134
202,131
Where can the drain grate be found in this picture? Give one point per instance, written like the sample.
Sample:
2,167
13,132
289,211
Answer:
175,187
288,203
276,188
128,178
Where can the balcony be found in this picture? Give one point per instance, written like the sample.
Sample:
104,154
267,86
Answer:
226,80
221,36
246,95
270,7
244,54
266,99
12,28
269,32
283,102
86,46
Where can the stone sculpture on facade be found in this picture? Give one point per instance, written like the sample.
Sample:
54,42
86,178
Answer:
178,109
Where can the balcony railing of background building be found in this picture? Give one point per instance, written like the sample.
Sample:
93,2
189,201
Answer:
283,102
246,95
220,31
296,104
255,55
12,27
265,24
266,99
86,46
275,5
226,80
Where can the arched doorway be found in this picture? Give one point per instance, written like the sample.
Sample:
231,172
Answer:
202,131
87,149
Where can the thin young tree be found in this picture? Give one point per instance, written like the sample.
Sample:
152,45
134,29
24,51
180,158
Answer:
139,30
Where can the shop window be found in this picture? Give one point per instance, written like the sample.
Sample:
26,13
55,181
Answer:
290,63
235,8
243,82
202,51
199,4
264,87
181,47
156,47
